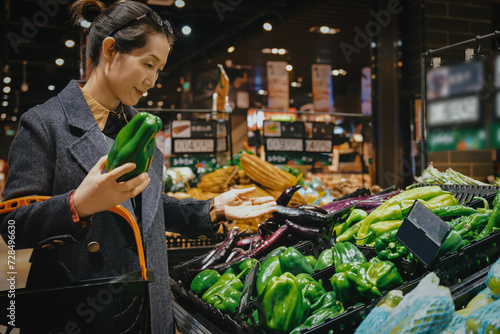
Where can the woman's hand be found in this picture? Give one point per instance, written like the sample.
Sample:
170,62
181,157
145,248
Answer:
236,206
100,192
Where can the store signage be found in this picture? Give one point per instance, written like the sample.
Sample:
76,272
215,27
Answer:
314,137
454,112
294,158
453,80
193,162
322,87
277,85
198,136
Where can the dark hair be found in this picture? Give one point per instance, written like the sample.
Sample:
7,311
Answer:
106,20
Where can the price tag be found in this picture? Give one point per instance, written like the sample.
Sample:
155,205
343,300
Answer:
318,145
193,146
284,145
454,112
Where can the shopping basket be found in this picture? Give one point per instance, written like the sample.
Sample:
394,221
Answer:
105,305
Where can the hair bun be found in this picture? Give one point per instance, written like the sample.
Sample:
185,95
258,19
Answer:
88,10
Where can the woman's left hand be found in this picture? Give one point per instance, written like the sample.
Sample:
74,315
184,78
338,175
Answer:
236,206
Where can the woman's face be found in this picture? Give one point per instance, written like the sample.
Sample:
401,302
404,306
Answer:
131,75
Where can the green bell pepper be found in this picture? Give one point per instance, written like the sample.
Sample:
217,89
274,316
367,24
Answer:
227,299
270,268
319,317
226,280
388,248
311,260
204,280
275,252
135,143
238,267
325,259
294,262
346,252
345,291
453,242
328,299
311,289
281,305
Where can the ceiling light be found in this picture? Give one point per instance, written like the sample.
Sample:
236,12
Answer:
5,103
186,30
13,118
7,80
262,92
69,43
289,67
296,84
150,103
160,103
59,61
281,51
180,3
324,30
230,49
85,23
179,89
267,26
335,72
6,89
274,51
3,116
145,94
51,87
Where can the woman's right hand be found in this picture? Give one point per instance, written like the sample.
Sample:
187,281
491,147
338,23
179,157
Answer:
99,191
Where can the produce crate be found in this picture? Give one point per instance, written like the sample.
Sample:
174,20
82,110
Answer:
466,193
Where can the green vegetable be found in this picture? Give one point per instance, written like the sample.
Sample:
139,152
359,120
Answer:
281,305
225,281
453,210
311,260
388,248
391,209
328,299
135,143
349,233
345,291
270,268
311,289
294,262
385,226
433,203
373,278
494,220
204,280
319,317
493,279
275,252
453,242
346,252
228,299
325,259
238,267
355,216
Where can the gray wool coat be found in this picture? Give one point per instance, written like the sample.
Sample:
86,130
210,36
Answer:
57,144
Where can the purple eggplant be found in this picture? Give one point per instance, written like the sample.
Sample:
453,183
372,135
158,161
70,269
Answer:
306,232
312,208
287,195
364,202
220,252
247,242
301,217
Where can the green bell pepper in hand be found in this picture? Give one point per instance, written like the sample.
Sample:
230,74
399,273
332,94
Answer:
270,268
388,248
294,262
135,143
281,305
204,280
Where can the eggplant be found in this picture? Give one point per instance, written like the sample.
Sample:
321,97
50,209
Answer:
307,232
301,217
311,207
247,242
220,251
287,195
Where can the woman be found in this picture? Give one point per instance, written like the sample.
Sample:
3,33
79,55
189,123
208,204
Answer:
60,151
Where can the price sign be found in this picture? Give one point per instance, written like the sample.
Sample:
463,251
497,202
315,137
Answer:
321,135
318,145
454,112
283,136
197,136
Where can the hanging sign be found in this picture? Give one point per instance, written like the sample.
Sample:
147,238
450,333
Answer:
196,136
277,85
322,87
